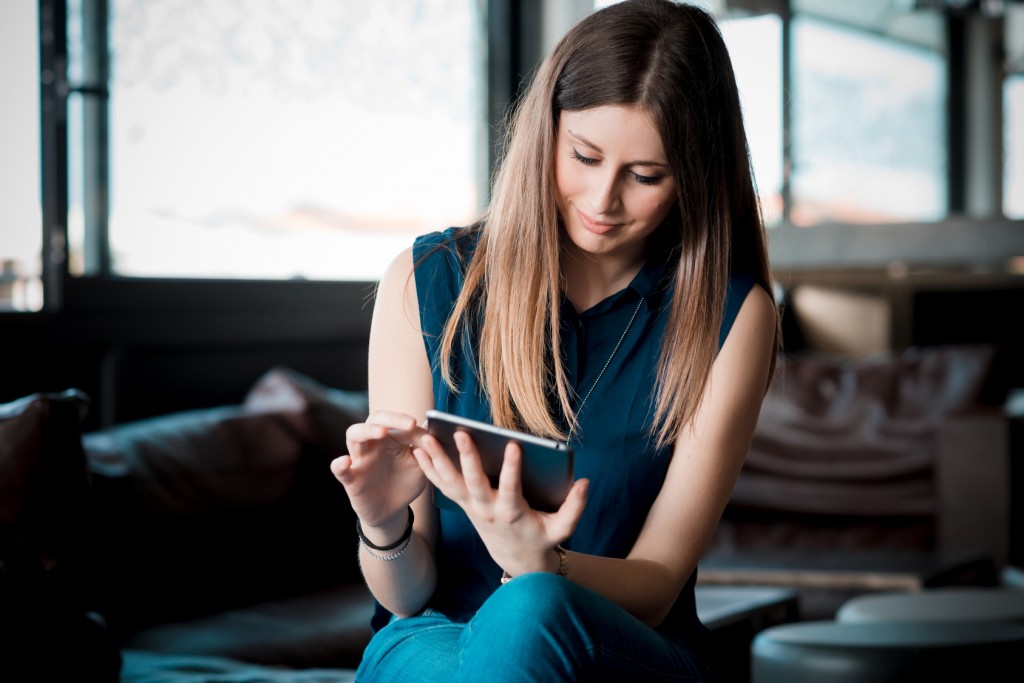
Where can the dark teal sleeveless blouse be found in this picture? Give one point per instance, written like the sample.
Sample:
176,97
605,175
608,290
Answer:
613,447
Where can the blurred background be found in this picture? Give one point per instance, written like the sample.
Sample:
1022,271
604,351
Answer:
194,190
197,198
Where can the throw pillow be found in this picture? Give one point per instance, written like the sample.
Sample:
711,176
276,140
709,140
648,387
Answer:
328,412
847,436
194,463
47,628
220,507
44,481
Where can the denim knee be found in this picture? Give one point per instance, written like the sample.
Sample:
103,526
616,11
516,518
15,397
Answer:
533,604
416,648
543,627
529,629
535,598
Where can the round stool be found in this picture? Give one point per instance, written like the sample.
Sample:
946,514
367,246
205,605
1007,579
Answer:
936,604
884,652
1012,577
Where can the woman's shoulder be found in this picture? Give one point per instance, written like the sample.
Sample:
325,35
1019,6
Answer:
439,262
739,287
455,243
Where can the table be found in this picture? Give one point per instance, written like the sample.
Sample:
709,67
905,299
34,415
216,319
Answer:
824,580
734,615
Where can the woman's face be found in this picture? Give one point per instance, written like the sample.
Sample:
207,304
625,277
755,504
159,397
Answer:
614,185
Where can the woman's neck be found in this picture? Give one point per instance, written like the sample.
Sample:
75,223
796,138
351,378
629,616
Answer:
588,281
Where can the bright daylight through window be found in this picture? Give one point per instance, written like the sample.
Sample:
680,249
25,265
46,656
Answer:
1013,136
21,233
869,126
755,47
278,140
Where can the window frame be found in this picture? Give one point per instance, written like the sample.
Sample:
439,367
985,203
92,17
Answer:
508,65
513,51
957,241
124,341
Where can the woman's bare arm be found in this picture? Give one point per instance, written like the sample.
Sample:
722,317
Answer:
700,478
400,392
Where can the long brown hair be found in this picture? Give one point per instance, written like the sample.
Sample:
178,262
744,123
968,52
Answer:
669,60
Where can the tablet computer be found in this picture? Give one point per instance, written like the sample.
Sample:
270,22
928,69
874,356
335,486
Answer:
547,464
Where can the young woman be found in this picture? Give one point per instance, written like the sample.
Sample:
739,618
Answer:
615,296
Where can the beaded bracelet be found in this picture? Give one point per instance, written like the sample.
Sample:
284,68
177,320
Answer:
403,541
392,556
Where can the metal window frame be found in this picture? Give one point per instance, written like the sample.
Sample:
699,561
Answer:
508,28
513,51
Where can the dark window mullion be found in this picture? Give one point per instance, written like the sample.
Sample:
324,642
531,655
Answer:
94,90
787,112
53,149
957,112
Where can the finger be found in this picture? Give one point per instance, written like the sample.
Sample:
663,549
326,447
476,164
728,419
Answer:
417,436
510,481
360,435
341,467
364,431
345,473
392,420
477,484
435,462
562,523
363,437
440,458
427,465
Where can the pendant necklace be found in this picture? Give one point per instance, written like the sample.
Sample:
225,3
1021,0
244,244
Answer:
579,411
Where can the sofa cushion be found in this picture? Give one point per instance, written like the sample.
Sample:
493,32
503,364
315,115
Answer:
44,480
47,628
199,462
326,412
849,436
220,508
328,628
846,452
157,667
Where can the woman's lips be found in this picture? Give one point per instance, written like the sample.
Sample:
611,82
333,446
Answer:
593,226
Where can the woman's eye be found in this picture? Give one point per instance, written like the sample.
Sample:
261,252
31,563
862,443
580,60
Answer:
646,179
582,159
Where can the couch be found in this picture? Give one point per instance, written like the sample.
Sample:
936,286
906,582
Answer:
885,471
212,543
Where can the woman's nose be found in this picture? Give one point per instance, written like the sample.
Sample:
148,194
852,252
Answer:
604,196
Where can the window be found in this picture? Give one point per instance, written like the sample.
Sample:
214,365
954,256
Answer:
1013,137
269,140
313,139
868,127
755,47
867,101
21,234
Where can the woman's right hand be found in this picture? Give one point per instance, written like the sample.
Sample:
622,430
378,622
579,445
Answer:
380,473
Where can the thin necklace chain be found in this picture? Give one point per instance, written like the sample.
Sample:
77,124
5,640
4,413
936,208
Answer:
579,411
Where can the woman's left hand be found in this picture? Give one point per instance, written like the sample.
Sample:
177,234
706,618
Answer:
519,538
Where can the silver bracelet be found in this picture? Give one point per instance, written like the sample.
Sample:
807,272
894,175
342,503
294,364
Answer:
387,558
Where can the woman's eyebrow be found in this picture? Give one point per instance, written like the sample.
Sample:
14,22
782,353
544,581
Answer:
597,149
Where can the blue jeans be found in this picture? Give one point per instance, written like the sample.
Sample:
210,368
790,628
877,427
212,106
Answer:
539,627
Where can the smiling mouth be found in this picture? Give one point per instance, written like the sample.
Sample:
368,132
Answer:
593,226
